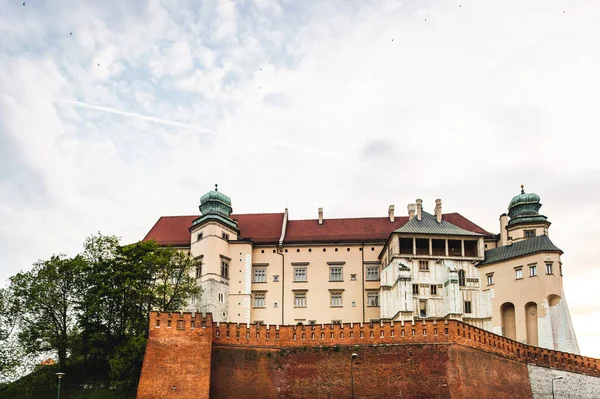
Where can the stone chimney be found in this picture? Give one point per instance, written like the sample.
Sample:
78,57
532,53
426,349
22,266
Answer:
503,231
419,209
438,210
411,211
391,213
320,215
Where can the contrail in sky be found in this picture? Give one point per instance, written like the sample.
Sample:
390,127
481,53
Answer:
138,116
188,126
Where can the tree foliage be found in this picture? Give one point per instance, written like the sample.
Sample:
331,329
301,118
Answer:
95,307
9,347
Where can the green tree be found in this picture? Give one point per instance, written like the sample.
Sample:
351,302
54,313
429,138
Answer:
46,297
9,348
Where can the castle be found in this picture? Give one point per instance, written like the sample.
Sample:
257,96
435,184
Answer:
270,269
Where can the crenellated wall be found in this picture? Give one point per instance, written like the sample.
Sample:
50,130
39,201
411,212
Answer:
302,361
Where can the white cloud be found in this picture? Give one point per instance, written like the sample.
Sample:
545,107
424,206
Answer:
469,104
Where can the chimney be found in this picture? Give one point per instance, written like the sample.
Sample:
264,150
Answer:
438,210
320,215
419,209
411,211
391,213
503,230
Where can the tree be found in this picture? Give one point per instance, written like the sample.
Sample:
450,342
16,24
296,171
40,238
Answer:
46,296
9,348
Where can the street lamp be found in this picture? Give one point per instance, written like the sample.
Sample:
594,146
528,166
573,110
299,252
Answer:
59,375
354,356
555,378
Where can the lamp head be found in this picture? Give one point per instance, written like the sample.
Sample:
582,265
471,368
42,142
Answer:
60,375
354,356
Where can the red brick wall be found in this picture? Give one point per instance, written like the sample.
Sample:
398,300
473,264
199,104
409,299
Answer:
178,357
422,359
477,374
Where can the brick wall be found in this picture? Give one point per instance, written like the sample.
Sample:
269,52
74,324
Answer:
444,358
178,357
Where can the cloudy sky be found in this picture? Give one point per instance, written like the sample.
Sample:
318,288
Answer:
114,113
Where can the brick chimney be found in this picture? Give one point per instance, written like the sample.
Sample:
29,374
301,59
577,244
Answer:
411,211
419,209
391,213
438,210
320,215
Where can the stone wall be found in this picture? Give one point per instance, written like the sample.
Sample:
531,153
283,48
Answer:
571,385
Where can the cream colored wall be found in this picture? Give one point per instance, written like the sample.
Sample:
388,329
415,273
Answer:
240,268
318,299
507,288
517,233
267,258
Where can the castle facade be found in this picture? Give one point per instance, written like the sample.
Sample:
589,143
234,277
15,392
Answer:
270,269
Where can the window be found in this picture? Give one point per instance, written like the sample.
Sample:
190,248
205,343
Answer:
225,236
300,299
372,273
548,268
224,269
299,274
221,298
199,270
423,265
490,279
461,278
199,237
529,233
336,299
275,305
259,300
276,278
415,288
260,275
532,271
433,289
422,309
518,274
335,274
373,299
353,277
467,306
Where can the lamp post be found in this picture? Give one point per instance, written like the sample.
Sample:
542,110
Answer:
354,356
555,378
59,375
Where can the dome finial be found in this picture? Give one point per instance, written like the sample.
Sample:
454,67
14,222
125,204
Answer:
217,187
522,189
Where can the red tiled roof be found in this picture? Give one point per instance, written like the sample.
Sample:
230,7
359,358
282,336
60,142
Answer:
174,230
355,229
265,228
459,220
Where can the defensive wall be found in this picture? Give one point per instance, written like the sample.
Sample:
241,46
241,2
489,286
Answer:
189,356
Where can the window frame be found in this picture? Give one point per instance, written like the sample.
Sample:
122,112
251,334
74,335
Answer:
305,274
468,307
224,268
549,267
373,270
370,296
336,299
490,279
256,272
424,262
519,273
259,298
332,275
300,297
532,270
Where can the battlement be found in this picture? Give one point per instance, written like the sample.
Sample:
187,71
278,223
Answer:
369,334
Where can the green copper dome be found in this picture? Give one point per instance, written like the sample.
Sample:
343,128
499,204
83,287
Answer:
215,205
215,202
525,208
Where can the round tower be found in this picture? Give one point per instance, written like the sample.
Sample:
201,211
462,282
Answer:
525,221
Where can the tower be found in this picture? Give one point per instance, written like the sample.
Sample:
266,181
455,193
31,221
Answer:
524,277
211,234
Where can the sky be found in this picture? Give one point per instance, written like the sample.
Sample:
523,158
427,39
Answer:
115,113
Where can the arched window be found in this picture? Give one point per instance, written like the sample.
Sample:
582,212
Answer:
461,278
